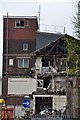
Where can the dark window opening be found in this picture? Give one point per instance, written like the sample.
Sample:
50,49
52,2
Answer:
43,103
19,23
22,23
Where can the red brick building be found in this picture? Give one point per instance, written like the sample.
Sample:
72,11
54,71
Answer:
19,40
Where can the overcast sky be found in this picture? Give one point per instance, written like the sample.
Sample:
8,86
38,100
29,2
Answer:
52,12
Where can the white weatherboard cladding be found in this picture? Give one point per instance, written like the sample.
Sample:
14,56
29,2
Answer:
59,101
21,85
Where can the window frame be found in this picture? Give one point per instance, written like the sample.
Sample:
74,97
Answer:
25,46
19,22
23,62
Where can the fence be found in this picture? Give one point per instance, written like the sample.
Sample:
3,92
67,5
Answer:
37,117
45,117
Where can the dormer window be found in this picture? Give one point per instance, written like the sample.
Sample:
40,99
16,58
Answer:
19,23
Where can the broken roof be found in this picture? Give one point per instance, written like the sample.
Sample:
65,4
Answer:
44,38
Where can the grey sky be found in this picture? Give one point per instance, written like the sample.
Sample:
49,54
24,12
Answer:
53,12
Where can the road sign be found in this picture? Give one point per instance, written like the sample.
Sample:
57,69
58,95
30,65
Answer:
26,103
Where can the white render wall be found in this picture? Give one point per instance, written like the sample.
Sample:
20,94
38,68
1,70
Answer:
21,85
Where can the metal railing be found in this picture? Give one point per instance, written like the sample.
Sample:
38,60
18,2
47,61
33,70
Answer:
51,28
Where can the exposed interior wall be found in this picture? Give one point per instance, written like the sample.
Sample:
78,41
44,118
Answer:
38,65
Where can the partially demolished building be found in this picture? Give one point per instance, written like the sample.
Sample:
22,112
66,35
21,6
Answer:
33,65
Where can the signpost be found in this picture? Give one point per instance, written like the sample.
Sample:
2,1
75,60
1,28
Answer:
26,103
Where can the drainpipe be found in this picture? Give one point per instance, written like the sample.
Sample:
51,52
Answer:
7,48
6,59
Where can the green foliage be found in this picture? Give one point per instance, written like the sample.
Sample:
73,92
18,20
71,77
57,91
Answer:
73,56
76,22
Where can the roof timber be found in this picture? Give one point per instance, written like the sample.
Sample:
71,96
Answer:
53,48
57,46
46,45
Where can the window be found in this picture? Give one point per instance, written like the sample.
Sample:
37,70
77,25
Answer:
25,46
19,23
11,62
23,62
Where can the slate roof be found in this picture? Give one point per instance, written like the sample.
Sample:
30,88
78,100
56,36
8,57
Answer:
44,38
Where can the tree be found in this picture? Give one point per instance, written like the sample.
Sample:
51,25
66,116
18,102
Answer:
76,22
73,55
